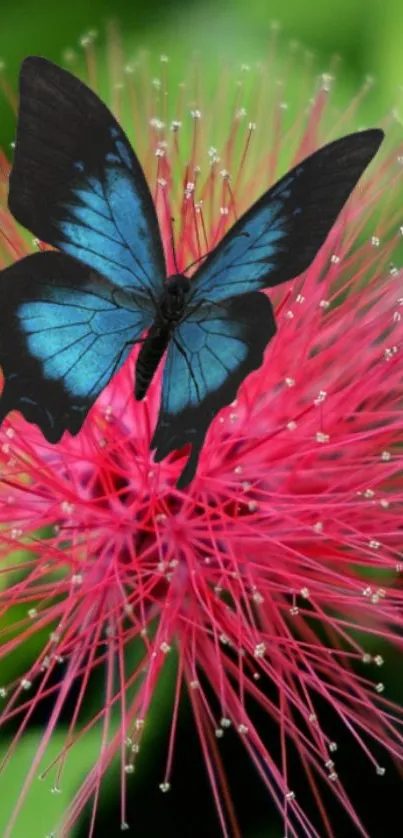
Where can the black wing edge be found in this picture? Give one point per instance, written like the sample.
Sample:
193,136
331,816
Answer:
319,187
254,311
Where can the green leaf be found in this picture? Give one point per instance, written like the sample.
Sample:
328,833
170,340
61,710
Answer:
42,810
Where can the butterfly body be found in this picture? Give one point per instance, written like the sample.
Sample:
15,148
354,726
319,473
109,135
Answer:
170,311
70,317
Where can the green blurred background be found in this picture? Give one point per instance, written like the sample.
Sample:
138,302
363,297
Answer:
368,37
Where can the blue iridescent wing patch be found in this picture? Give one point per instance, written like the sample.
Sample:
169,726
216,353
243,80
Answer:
211,353
280,235
64,332
76,183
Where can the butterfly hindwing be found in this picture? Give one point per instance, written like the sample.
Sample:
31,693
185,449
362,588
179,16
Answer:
212,351
64,332
280,235
77,184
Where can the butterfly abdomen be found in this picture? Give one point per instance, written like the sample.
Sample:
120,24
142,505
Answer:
149,357
170,310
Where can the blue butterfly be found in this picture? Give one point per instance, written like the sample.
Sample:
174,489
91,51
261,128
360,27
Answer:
69,319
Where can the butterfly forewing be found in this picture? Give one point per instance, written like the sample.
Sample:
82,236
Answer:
76,183
279,236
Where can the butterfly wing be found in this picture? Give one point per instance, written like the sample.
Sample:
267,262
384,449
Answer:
64,332
280,235
77,184
228,324
211,353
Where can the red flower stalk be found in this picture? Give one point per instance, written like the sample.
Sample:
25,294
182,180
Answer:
281,561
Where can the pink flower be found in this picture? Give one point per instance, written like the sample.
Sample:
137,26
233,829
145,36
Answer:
281,561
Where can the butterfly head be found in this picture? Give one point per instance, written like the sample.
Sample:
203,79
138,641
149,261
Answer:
178,285
176,290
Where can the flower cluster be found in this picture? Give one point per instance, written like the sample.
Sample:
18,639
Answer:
280,563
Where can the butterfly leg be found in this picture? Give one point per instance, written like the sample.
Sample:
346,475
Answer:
221,305
125,345
191,310
183,353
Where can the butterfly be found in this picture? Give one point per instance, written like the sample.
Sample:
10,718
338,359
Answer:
70,317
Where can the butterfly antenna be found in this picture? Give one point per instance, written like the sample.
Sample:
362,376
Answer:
199,259
174,246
